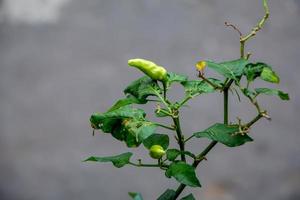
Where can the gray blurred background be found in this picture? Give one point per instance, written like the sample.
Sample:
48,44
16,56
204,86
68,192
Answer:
61,60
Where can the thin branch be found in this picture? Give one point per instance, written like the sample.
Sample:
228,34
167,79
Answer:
164,126
146,165
187,139
255,29
209,82
186,99
163,100
234,27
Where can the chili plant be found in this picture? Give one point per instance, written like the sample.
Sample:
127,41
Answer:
131,126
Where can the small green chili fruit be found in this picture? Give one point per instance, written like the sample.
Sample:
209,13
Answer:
152,70
156,151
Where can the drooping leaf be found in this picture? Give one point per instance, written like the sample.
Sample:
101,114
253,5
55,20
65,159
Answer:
142,88
189,197
248,93
268,91
183,173
118,161
97,119
125,124
167,195
229,69
135,196
269,75
194,87
226,134
157,139
253,70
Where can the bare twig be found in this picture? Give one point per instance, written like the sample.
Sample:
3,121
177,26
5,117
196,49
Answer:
228,24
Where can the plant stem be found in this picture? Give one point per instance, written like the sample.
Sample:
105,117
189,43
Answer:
202,155
179,136
243,40
255,29
165,90
163,100
215,86
187,139
226,106
248,125
146,165
164,126
186,99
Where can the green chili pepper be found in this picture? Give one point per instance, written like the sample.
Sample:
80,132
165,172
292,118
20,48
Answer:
152,70
156,151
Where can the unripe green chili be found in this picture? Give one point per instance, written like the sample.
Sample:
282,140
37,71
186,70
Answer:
152,70
157,151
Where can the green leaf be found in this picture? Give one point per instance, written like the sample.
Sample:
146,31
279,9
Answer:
97,119
248,93
125,124
194,87
124,102
229,69
269,75
141,129
173,77
135,196
253,70
157,139
167,195
183,173
142,88
226,134
268,91
172,154
118,161
189,197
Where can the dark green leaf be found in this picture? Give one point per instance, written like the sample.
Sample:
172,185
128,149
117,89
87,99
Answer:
118,161
157,139
189,197
172,154
142,88
124,112
195,87
135,196
269,75
226,134
167,195
253,70
183,173
229,69
125,124
268,91
248,93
